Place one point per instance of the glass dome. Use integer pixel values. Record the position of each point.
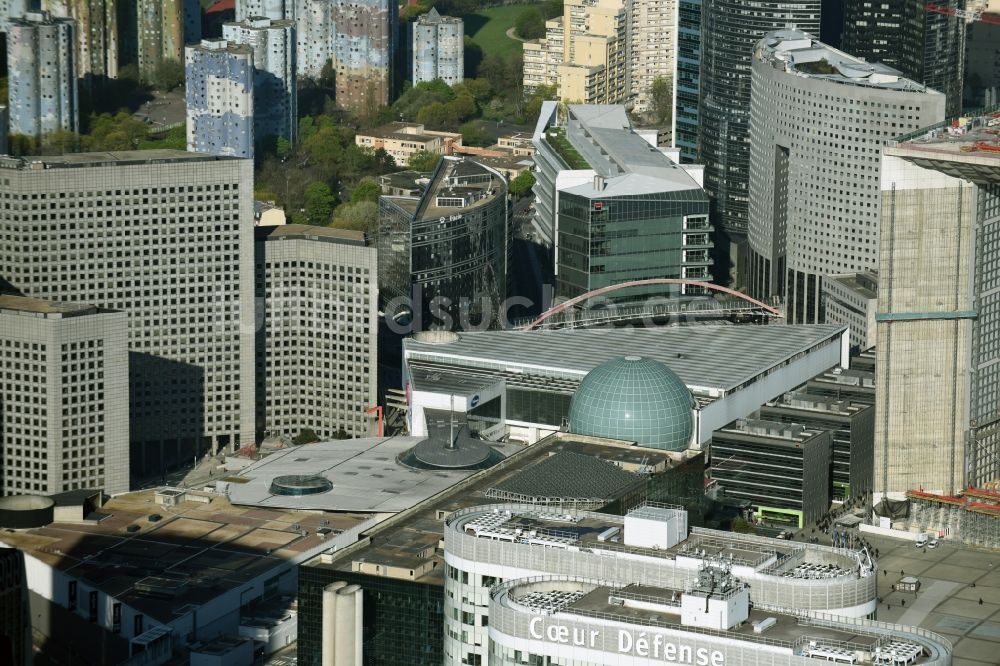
(635, 399)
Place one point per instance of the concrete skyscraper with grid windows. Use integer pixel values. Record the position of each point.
(64, 391)
(166, 236)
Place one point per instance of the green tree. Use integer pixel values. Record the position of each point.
(341, 433)
(473, 134)
(319, 202)
(552, 8)
(741, 526)
(367, 190)
(423, 160)
(169, 74)
(283, 147)
(358, 216)
(530, 24)
(305, 436)
(522, 184)
(661, 99)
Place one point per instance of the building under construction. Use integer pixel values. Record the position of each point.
(971, 517)
(938, 322)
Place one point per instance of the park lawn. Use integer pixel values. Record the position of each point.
(488, 28)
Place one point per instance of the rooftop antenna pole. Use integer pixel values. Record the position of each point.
(451, 438)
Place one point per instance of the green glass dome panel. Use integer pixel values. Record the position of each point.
(634, 399)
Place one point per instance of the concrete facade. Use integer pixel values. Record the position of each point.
(11, 9)
(438, 48)
(317, 344)
(163, 28)
(818, 121)
(365, 45)
(730, 31)
(96, 34)
(220, 98)
(165, 236)
(42, 75)
(653, 44)
(314, 28)
(275, 90)
(938, 384)
(583, 54)
(64, 389)
(852, 299)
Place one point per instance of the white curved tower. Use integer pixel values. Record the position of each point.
(438, 48)
(819, 119)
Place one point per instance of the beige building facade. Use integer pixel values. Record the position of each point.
(402, 140)
(583, 54)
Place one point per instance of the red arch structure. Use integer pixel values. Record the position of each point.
(642, 283)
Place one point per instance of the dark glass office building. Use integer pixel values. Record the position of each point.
(730, 30)
(402, 619)
(446, 250)
(926, 46)
(688, 77)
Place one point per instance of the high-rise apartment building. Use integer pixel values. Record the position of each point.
(438, 48)
(165, 236)
(583, 54)
(96, 34)
(41, 66)
(938, 377)
(730, 31)
(618, 208)
(652, 47)
(219, 78)
(64, 390)
(314, 28)
(274, 81)
(818, 121)
(163, 28)
(448, 246)
(365, 44)
(10, 9)
(927, 46)
(317, 344)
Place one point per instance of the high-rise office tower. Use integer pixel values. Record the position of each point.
(938, 322)
(219, 78)
(451, 244)
(64, 389)
(584, 54)
(688, 79)
(96, 34)
(317, 296)
(274, 82)
(42, 75)
(730, 31)
(652, 47)
(818, 121)
(314, 28)
(165, 236)
(163, 28)
(927, 46)
(438, 48)
(365, 45)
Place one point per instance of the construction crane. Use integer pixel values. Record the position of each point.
(969, 16)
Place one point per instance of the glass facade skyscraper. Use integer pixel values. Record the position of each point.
(688, 77)
(730, 30)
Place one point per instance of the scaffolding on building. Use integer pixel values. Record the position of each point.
(972, 517)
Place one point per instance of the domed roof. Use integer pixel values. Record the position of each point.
(635, 399)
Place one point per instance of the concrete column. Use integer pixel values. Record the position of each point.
(349, 626)
(330, 622)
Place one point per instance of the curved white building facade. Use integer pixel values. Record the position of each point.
(818, 121)
(486, 545)
(581, 622)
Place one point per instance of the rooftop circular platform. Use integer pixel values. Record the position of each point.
(634, 399)
(300, 484)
